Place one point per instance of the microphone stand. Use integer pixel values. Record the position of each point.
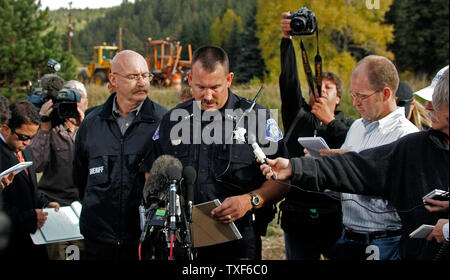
(149, 215)
(188, 238)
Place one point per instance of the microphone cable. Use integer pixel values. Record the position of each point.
(246, 111)
(340, 199)
(171, 246)
(442, 252)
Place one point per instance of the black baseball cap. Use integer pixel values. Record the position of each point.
(404, 96)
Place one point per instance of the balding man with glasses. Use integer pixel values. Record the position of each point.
(372, 227)
(109, 147)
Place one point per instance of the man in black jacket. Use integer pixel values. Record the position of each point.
(22, 201)
(402, 172)
(109, 148)
(4, 117)
(305, 215)
(216, 143)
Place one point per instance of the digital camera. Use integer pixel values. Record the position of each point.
(303, 22)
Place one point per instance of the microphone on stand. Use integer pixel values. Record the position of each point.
(155, 193)
(189, 175)
(173, 175)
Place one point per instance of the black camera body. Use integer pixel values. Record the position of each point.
(65, 100)
(303, 22)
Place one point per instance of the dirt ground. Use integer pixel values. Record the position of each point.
(273, 248)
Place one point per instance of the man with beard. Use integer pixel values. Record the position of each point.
(110, 144)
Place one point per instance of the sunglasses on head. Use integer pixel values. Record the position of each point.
(22, 137)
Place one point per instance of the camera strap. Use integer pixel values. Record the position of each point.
(311, 81)
(318, 67)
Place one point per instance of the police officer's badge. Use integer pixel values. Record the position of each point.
(239, 134)
(273, 131)
(156, 135)
(175, 142)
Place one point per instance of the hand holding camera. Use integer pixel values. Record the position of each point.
(46, 110)
(64, 100)
(285, 25)
(302, 22)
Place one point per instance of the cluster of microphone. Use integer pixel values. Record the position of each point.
(166, 212)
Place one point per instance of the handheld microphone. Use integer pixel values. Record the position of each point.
(257, 151)
(173, 175)
(189, 175)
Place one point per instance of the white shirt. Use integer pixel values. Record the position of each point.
(445, 231)
(363, 135)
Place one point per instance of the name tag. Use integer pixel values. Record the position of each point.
(96, 170)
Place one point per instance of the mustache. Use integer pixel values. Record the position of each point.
(208, 101)
(146, 89)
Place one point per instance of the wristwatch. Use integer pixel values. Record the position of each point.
(254, 199)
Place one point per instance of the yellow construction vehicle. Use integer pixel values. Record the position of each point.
(163, 59)
(97, 71)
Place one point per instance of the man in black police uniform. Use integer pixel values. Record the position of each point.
(226, 170)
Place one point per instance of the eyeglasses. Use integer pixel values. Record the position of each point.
(361, 97)
(22, 137)
(136, 77)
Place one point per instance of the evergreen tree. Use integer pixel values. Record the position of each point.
(26, 44)
(231, 46)
(421, 35)
(249, 62)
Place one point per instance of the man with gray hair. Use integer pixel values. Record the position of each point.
(402, 172)
(83, 104)
(53, 152)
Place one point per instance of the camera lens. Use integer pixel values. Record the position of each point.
(298, 24)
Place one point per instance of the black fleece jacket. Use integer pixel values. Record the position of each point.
(402, 172)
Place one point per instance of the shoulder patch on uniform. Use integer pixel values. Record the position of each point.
(156, 135)
(273, 131)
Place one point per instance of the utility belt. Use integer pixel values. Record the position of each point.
(369, 236)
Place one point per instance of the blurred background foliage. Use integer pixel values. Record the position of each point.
(413, 33)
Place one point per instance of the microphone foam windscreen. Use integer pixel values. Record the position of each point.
(156, 184)
(52, 83)
(173, 173)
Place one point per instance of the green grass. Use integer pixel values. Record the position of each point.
(269, 98)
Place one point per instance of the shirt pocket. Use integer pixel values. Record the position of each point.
(182, 153)
(243, 172)
(98, 172)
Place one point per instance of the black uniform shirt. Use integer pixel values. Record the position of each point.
(223, 169)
